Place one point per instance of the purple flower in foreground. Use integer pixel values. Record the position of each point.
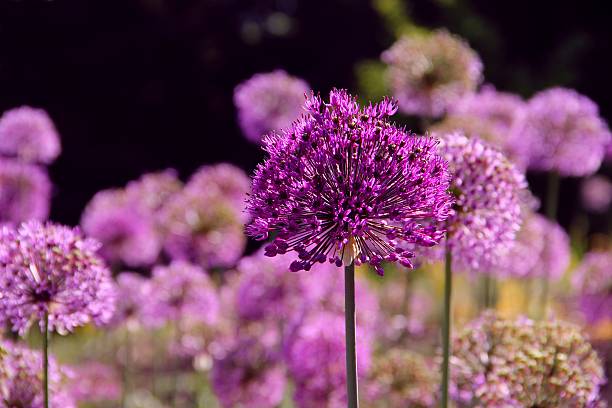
(21, 384)
(180, 292)
(541, 249)
(596, 192)
(563, 132)
(248, 374)
(489, 192)
(314, 353)
(428, 73)
(269, 101)
(94, 382)
(524, 363)
(25, 192)
(29, 134)
(48, 268)
(593, 285)
(125, 228)
(343, 184)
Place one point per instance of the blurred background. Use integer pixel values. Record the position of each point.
(140, 85)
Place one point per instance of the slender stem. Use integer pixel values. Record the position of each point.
(446, 325)
(552, 203)
(45, 346)
(351, 357)
(126, 367)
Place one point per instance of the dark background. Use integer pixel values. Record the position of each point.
(140, 85)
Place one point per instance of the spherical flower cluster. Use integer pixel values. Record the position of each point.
(489, 115)
(180, 292)
(152, 190)
(125, 228)
(248, 374)
(314, 353)
(25, 192)
(563, 132)
(489, 192)
(28, 134)
(524, 363)
(269, 101)
(596, 192)
(94, 382)
(343, 184)
(132, 292)
(22, 381)
(52, 269)
(430, 73)
(541, 249)
(401, 378)
(593, 285)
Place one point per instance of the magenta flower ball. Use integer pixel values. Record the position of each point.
(25, 192)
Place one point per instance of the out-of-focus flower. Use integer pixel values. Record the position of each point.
(152, 190)
(132, 293)
(403, 316)
(49, 268)
(25, 192)
(343, 184)
(541, 249)
(401, 378)
(596, 193)
(592, 283)
(429, 73)
(180, 292)
(489, 192)
(22, 382)
(94, 382)
(248, 374)
(126, 229)
(29, 134)
(524, 363)
(489, 115)
(563, 132)
(314, 353)
(268, 102)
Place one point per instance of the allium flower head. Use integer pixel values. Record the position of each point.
(596, 192)
(541, 249)
(269, 101)
(489, 192)
(524, 363)
(94, 382)
(48, 268)
(132, 294)
(402, 378)
(22, 383)
(248, 374)
(593, 285)
(429, 73)
(152, 190)
(126, 229)
(315, 359)
(179, 292)
(563, 132)
(25, 192)
(343, 183)
(28, 134)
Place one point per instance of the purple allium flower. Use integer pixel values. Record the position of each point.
(225, 180)
(132, 293)
(248, 373)
(489, 192)
(343, 183)
(22, 381)
(593, 285)
(126, 229)
(29, 134)
(541, 249)
(94, 382)
(563, 132)
(314, 353)
(524, 363)
(48, 268)
(428, 73)
(178, 292)
(267, 102)
(596, 192)
(25, 192)
(401, 378)
(152, 190)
